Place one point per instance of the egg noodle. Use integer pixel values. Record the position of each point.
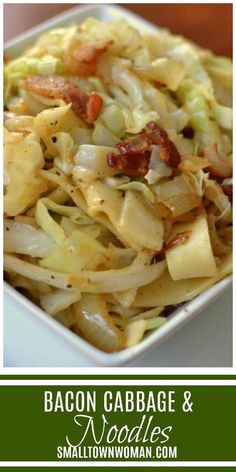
(118, 177)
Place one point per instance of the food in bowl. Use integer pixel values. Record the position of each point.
(118, 177)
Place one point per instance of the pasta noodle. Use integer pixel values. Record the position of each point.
(117, 177)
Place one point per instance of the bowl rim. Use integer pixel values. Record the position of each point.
(176, 320)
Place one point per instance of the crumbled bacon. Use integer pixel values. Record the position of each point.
(130, 164)
(170, 153)
(134, 153)
(86, 105)
(89, 52)
(82, 59)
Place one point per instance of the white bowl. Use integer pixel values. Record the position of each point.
(28, 322)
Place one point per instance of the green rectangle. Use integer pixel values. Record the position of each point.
(139, 432)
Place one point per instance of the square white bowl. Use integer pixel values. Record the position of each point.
(29, 323)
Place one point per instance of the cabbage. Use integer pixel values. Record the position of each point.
(178, 195)
(157, 167)
(102, 136)
(192, 164)
(139, 224)
(96, 325)
(70, 225)
(136, 275)
(98, 85)
(136, 328)
(91, 163)
(114, 120)
(12, 138)
(166, 71)
(127, 39)
(36, 289)
(187, 54)
(220, 164)
(155, 323)
(120, 310)
(115, 182)
(26, 239)
(22, 162)
(220, 68)
(156, 99)
(223, 115)
(120, 96)
(20, 123)
(180, 118)
(215, 194)
(55, 42)
(63, 145)
(134, 332)
(219, 246)
(81, 135)
(58, 300)
(24, 66)
(51, 120)
(126, 297)
(49, 225)
(74, 253)
(128, 81)
(66, 317)
(136, 120)
(139, 187)
(36, 273)
(211, 136)
(144, 315)
(195, 104)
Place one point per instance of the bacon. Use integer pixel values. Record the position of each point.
(82, 60)
(134, 154)
(89, 52)
(86, 105)
(137, 145)
(178, 239)
(170, 153)
(130, 164)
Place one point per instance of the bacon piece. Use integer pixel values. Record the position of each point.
(134, 154)
(170, 153)
(82, 60)
(130, 164)
(89, 52)
(86, 105)
(137, 145)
